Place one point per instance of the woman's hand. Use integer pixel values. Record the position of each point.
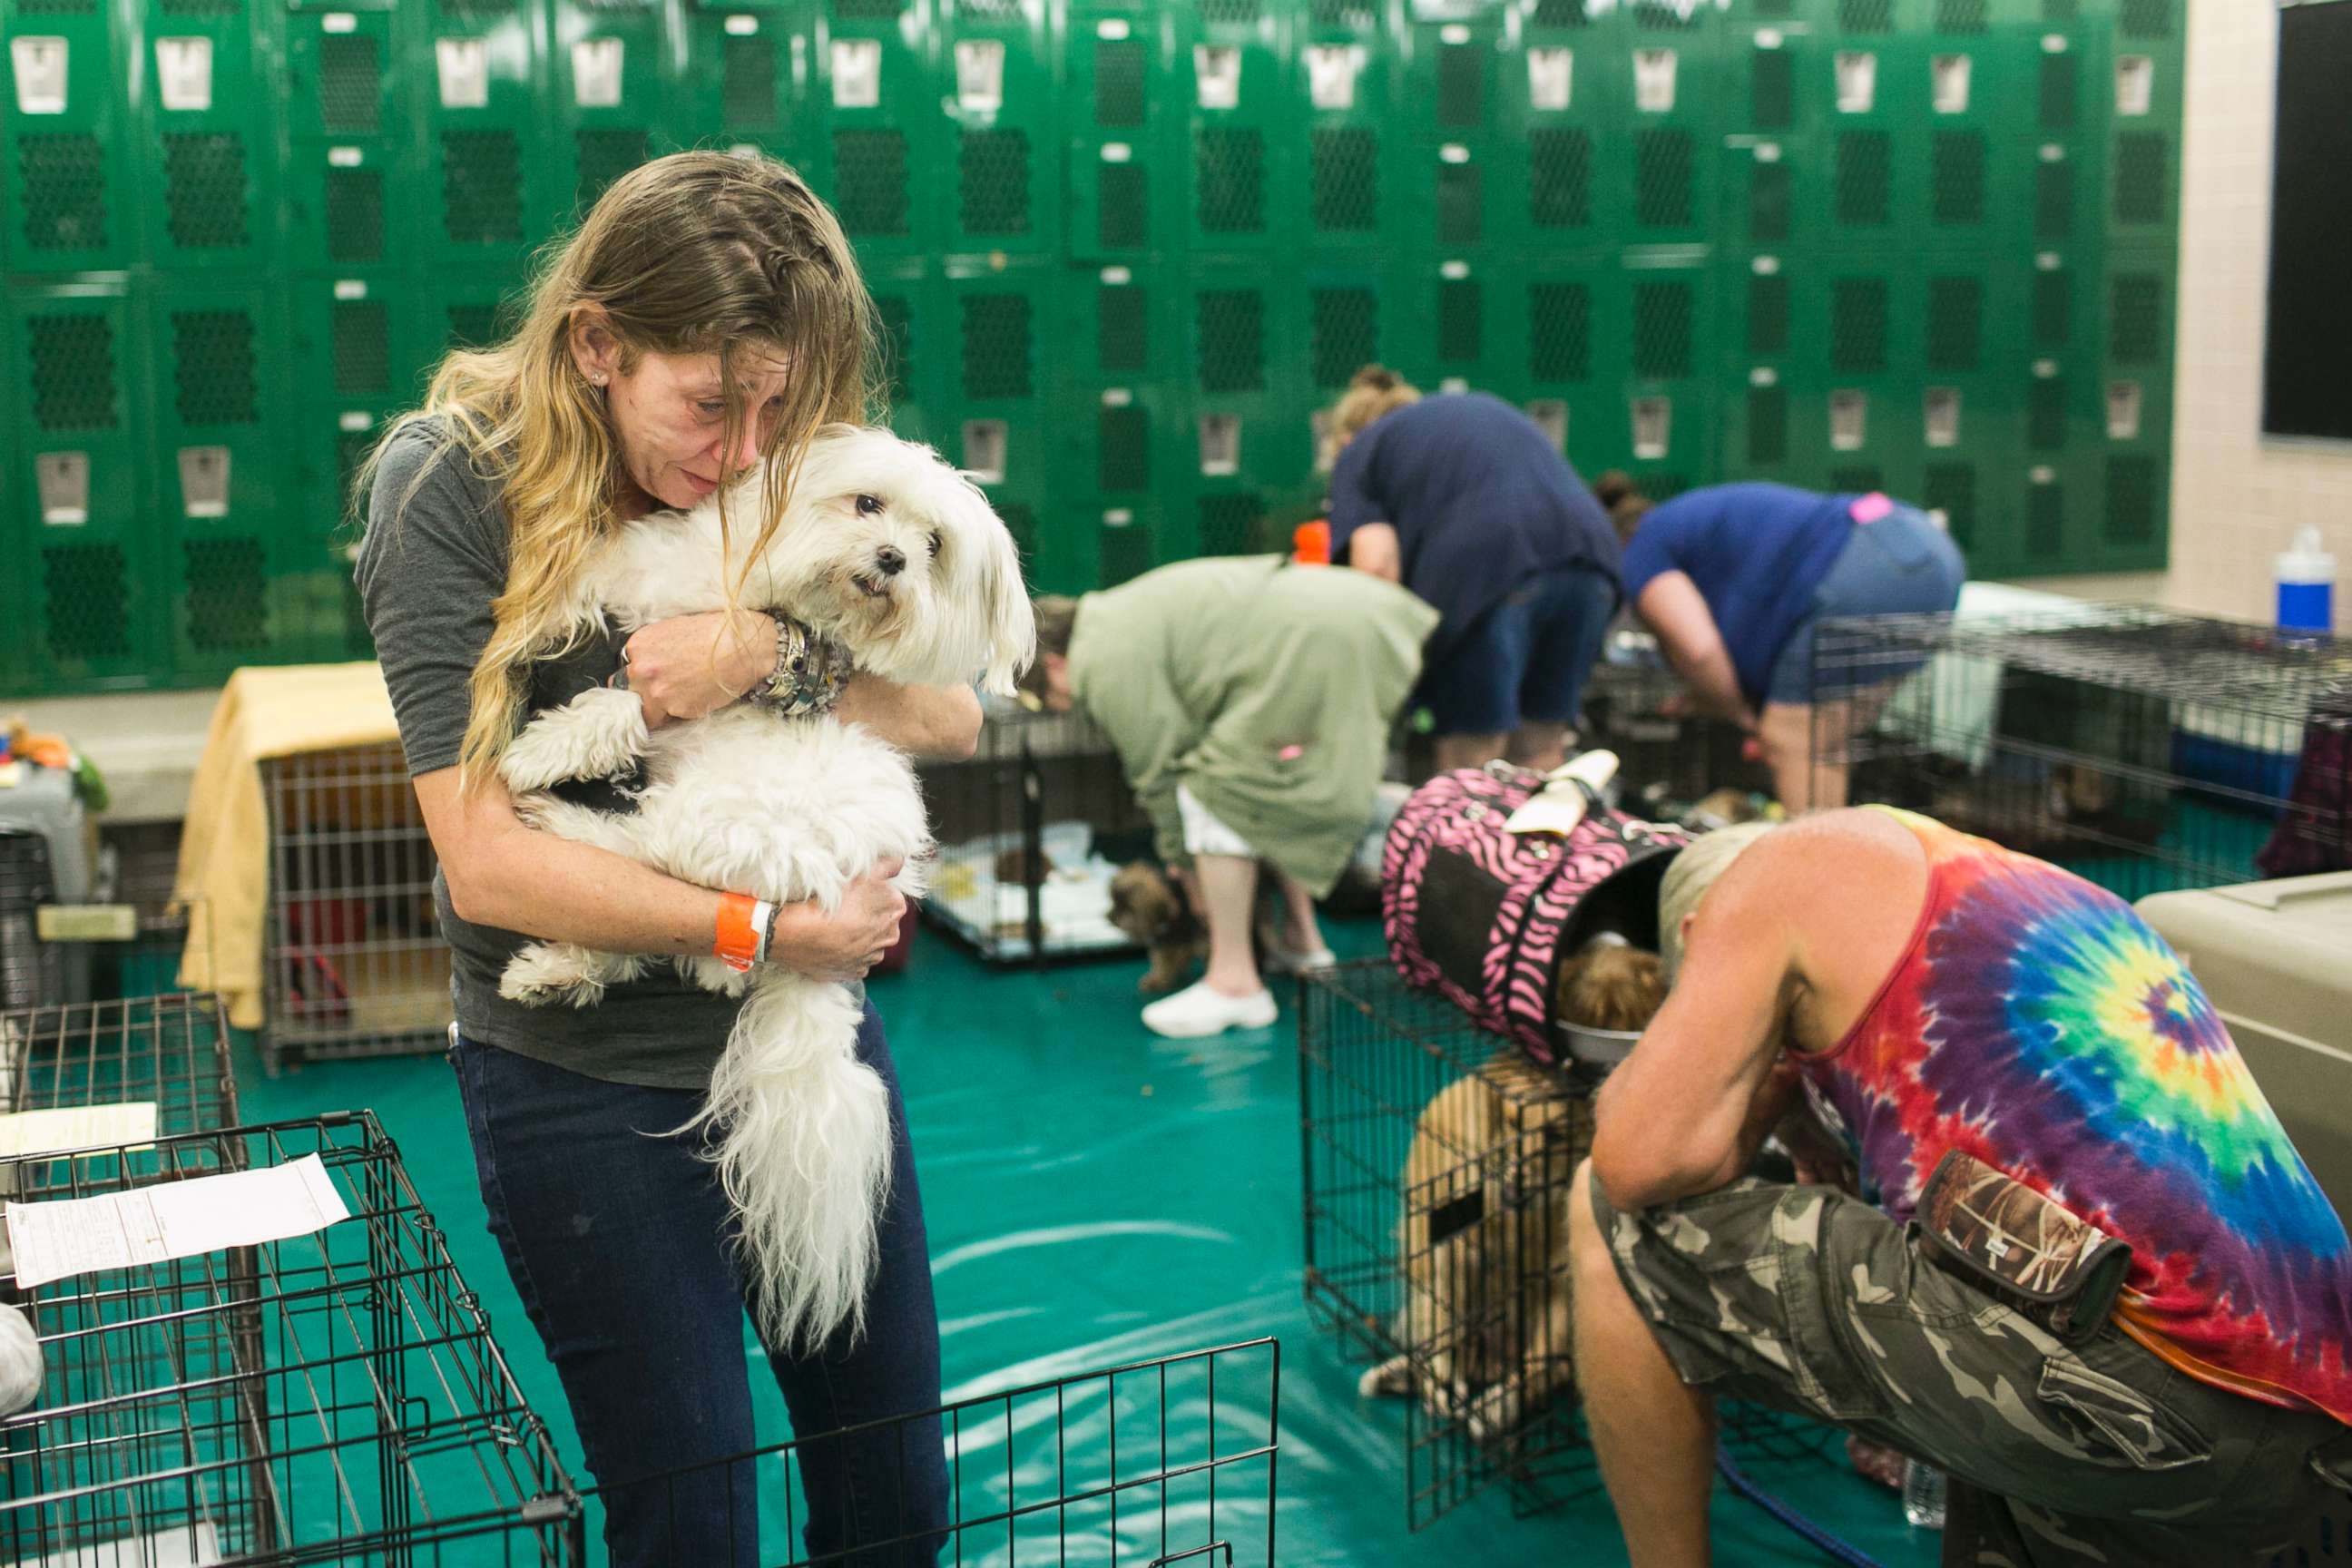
(691, 665)
(841, 946)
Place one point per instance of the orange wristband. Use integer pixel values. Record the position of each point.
(739, 934)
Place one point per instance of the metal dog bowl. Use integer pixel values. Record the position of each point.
(1595, 1048)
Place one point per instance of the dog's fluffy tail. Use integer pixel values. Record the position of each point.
(802, 1130)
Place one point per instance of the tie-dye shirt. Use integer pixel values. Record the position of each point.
(2038, 1024)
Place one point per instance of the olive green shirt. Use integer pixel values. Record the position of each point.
(1267, 690)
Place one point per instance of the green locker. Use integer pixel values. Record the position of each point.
(1244, 175)
(1552, 321)
(1659, 79)
(744, 80)
(207, 161)
(1563, 100)
(473, 308)
(1123, 145)
(611, 78)
(345, 78)
(2132, 436)
(1125, 439)
(1655, 356)
(350, 207)
(220, 480)
(994, 404)
(78, 476)
(354, 354)
(913, 346)
(876, 146)
(999, 82)
(66, 186)
(1355, 311)
(1364, 186)
(1252, 454)
(490, 183)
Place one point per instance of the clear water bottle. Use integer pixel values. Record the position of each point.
(1923, 1494)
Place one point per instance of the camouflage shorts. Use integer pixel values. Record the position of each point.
(1806, 1300)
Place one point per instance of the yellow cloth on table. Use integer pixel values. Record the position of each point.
(224, 875)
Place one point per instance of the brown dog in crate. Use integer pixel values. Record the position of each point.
(1488, 1313)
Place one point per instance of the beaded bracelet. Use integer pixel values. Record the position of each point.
(809, 673)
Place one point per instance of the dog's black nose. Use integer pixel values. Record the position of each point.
(891, 560)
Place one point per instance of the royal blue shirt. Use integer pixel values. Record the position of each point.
(1758, 554)
(1480, 499)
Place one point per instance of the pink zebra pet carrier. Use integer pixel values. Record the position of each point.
(1485, 916)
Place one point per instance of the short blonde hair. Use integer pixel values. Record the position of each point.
(1373, 390)
(1693, 872)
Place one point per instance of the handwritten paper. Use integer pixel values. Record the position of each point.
(57, 1239)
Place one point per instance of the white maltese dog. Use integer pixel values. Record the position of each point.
(897, 558)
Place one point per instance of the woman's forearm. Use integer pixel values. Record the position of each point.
(938, 723)
(505, 874)
(1672, 606)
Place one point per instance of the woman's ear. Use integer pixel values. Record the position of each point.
(595, 349)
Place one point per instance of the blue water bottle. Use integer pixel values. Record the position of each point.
(2306, 586)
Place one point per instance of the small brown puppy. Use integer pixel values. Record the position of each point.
(1149, 907)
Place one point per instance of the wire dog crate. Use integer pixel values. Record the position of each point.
(331, 1398)
(356, 964)
(1668, 761)
(1031, 831)
(1141, 1466)
(2146, 750)
(1438, 1164)
(168, 1051)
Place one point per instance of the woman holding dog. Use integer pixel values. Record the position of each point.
(1250, 702)
(1464, 500)
(1734, 579)
(706, 318)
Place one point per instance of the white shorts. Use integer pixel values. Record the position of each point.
(1203, 833)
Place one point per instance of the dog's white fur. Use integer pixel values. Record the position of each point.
(20, 1361)
(784, 809)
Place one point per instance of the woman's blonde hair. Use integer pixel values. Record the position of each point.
(694, 253)
(1373, 390)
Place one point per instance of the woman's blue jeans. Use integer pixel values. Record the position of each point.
(618, 1237)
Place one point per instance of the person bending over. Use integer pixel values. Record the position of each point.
(1735, 580)
(1935, 996)
(1250, 702)
(1464, 500)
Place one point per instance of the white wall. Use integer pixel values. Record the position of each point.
(2236, 497)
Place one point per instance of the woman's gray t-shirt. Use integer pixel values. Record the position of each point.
(427, 572)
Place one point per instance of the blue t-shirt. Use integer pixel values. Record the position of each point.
(1480, 499)
(1758, 554)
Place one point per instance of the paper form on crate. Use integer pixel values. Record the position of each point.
(172, 1219)
(130, 1124)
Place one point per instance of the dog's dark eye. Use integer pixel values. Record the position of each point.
(868, 505)
(934, 542)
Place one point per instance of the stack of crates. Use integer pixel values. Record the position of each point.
(1124, 255)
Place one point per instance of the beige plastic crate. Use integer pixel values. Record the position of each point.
(2276, 958)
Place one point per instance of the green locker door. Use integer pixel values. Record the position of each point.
(994, 408)
(611, 74)
(879, 132)
(1664, 72)
(65, 188)
(1126, 435)
(999, 80)
(490, 180)
(2130, 442)
(1760, 374)
(1552, 323)
(78, 478)
(1561, 107)
(1360, 158)
(353, 196)
(744, 79)
(208, 160)
(220, 476)
(1244, 191)
(355, 351)
(1123, 130)
(915, 347)
(1656, 354)
(1250, 463)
